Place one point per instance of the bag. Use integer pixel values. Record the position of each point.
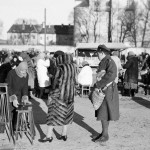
(143, 72)
(96, 98)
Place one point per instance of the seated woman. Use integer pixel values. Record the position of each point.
(17, 80)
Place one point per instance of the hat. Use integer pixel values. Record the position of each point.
(131, 53)
(102, 48)
(85, 63)
(58, 53)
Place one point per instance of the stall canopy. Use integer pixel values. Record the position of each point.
(93, 46)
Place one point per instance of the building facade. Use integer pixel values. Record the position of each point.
(23, 34)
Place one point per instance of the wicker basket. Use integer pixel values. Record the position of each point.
(97, 98)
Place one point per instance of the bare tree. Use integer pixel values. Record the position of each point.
(1, 27)
(81, 24)
(27, 21)
(146, 17)
(130, 27)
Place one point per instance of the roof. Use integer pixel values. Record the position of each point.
(84, 3)
(93, 46)
(58, 29)
(24, 28)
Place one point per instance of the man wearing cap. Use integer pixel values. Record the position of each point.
(109, 109)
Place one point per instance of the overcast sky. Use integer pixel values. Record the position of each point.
(57, 11)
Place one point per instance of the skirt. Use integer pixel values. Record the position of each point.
(109, 109)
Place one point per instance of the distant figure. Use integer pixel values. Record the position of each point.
(4, 69)
(42, 73)
(131, 74)
(117, 61)
(85, 77)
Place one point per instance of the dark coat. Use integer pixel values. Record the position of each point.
(4, 69)
(17, 86)
(131, 74)
(109, 110)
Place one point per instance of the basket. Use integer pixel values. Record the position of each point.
(97, 98)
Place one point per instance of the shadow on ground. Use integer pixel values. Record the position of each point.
(78, 119)
(142, 101)
(39, 117)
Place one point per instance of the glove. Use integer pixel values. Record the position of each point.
(15, 103)
(25, 99)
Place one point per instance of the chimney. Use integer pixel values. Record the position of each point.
(23, 25)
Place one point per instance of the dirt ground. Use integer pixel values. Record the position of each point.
(130, 132)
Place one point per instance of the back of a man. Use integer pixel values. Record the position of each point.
(85, 77)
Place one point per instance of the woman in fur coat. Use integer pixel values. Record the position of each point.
(61, 100)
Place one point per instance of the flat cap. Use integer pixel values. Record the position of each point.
(102, 48)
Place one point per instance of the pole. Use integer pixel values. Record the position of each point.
(45, 30)
(109, 23)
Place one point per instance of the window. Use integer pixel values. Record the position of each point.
(33, 36)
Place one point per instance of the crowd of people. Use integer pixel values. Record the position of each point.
(34, 73)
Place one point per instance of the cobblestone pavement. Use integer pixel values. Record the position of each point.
(131, 132)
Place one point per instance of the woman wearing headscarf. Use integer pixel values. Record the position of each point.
(61, 100)
(131, 74)
(42, 73)
(17, 80)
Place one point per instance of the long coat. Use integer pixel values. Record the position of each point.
(61, 107)
(109, 109)
(17, 86)
(131, 74)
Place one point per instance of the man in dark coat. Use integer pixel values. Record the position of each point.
(131, 74)
(109, 109)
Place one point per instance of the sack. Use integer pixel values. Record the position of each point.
(143, 72)
(96, 98)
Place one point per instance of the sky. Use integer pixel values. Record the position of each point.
(57, 11)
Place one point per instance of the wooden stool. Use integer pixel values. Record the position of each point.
(25, 122)
(5, 117)
(85, 90)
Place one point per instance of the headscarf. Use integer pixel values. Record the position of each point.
(21, 69)
(27, 59)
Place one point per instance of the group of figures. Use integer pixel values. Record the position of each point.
(63, 74)
(60, 76)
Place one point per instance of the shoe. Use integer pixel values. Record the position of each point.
(63, 137)
(46, 140)
(97, 137)
(103, 138)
